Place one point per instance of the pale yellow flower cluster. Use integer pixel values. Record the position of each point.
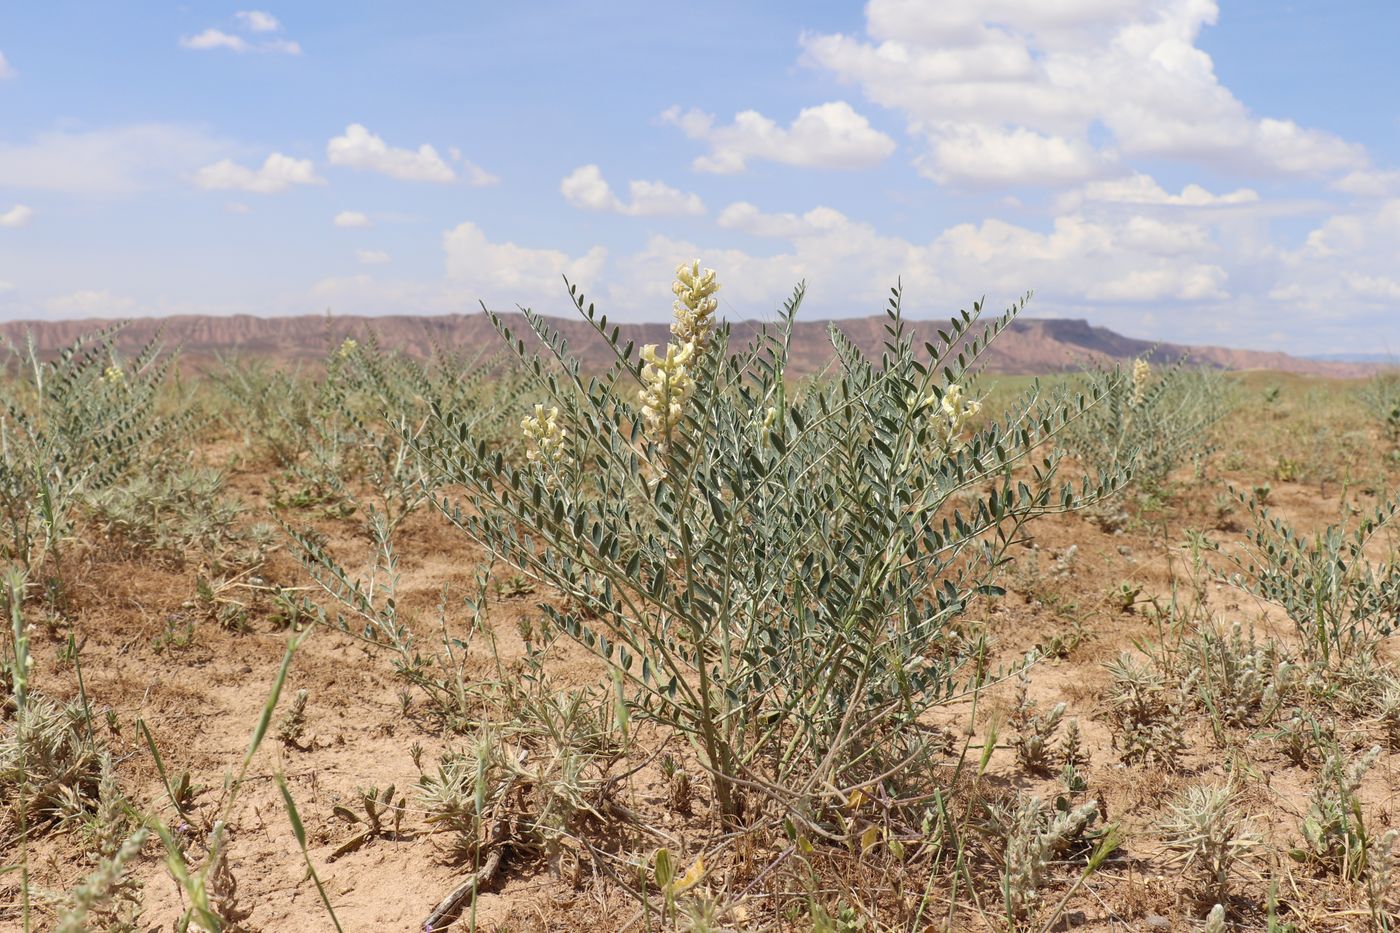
(695, 304)
(544, 438)
(955, 411)
(347, 347)
(113, 375)
(666, 385)
(1142, 374)
(666, 380)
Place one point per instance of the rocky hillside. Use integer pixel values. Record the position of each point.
(1031, 345)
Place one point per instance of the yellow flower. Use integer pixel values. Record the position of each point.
(347, 347)
(955, 412)
(695, 304)
(544, 438)
(666, 386)
(113, 375)
(1142, 373)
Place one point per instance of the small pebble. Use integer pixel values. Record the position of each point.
(1158, 922)
(246, 669)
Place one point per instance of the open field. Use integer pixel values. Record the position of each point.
(308, 653)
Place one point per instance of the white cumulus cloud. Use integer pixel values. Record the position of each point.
(503, 274)
(17, 216)
(258, 21)
(1369, 183)
(747, 218)
(475, 175)
(6, 69)
(587, 189)
(359, 148)
(258, 26)
(372, 257)
(1070, 87)
(215, 39)
(1139, 188)
(996, 156)
(352, 219)
(1346, 265)
(278, 173)
(831, 135)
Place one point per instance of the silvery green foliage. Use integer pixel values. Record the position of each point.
(1035, 836)
(1242, 680)
(1342, 601)
(1334, 832)
(380, 405)
(1147, 713)
(47, 764)
(274, 407)
(169, 510)
(69, 428)
(1150, 421)
(1207, 834)
(1381, 396)
(110, 897)
(779, 576)
(1381, 875)
(1035, 727)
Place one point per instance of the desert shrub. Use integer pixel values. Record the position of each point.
(1240, 680)
(167, 510)
(1342, 601)
(777, 572)
(1334, 830)
(46, 759)
(385, 399)
(1035, 728)
(72, 427)
(273, 409)
(1150, 420)
(1034, 837)
(1147, 713)
(1207, 835)
(1381, 397)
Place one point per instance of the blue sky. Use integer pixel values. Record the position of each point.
(1178, 169)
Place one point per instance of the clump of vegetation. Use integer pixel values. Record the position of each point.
(1151, 419)
(1208, 835)
(1241, 681)
(1035, 837)
(1035, 728)
(1147, 713)
(168, 512)
(1342, 601)
(775, 570)
(1334, 830)
(292, 729)
(1381, 396)
(71, 428)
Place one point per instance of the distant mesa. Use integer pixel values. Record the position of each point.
(1031, 345)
